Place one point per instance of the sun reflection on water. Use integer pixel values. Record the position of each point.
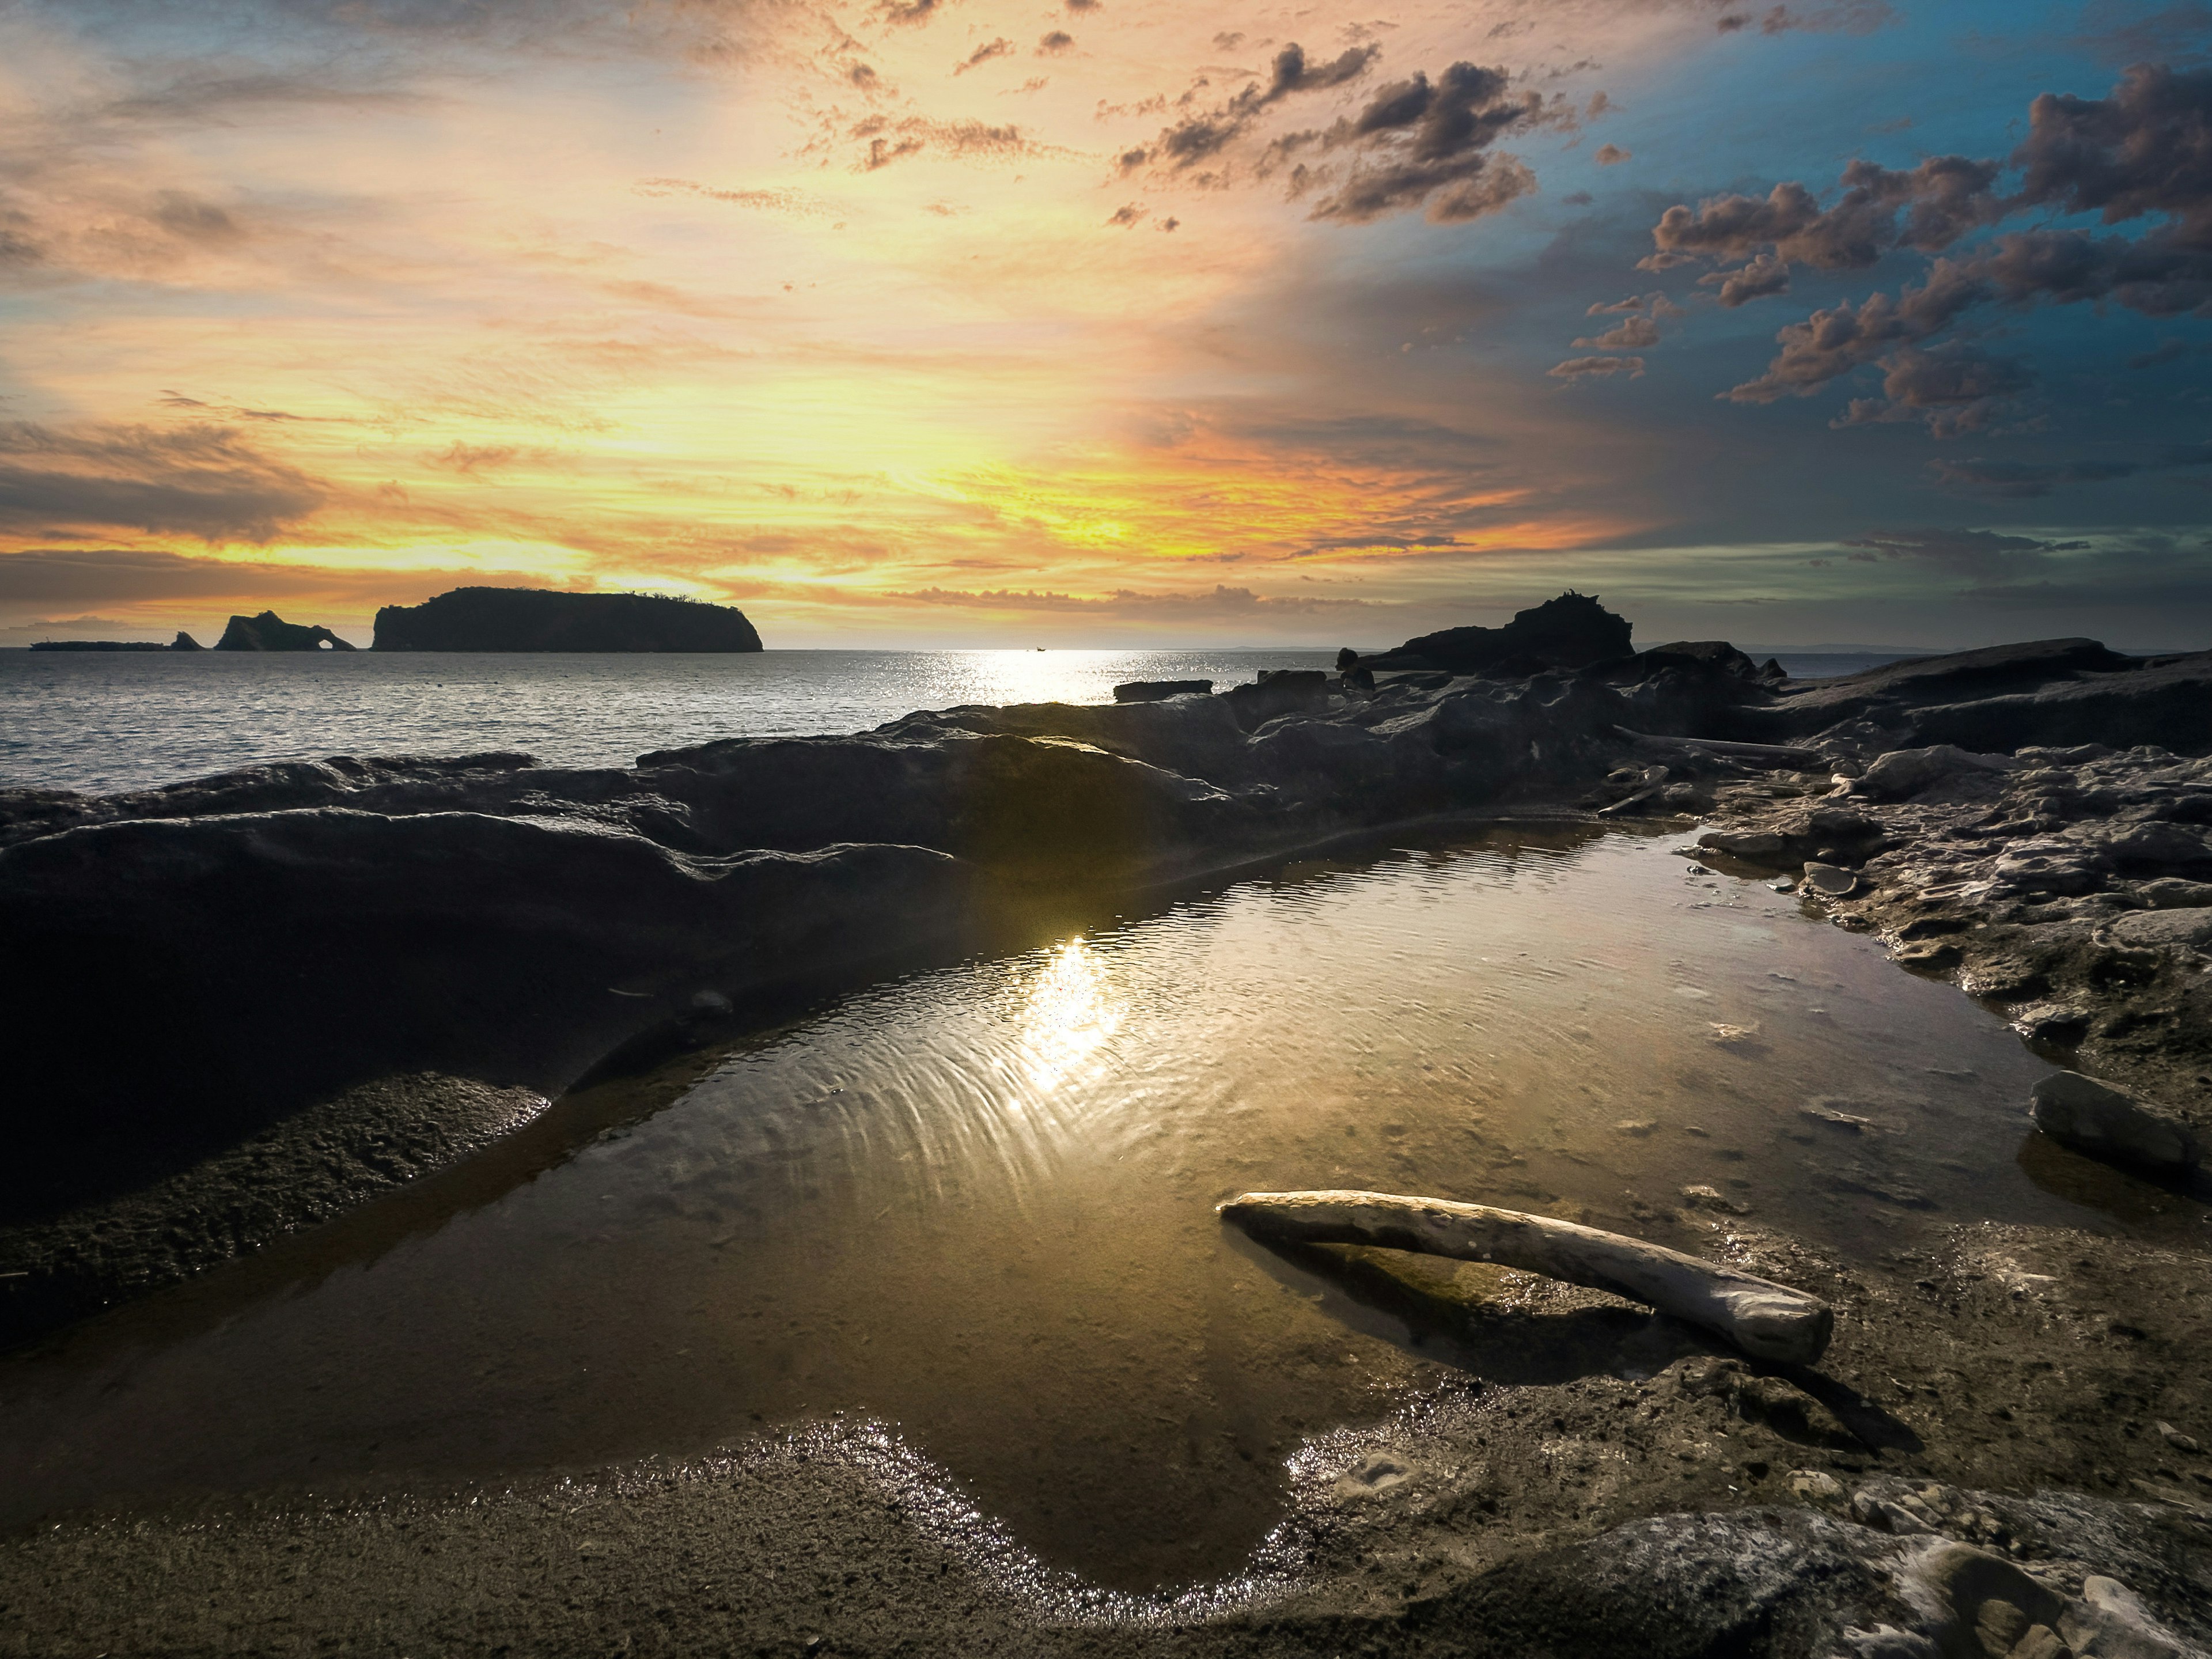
(1069, 1015)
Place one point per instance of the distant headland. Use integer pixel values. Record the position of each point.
(536, 619)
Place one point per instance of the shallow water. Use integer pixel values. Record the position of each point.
(978, 1202)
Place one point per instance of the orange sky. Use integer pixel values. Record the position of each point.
(890, 323)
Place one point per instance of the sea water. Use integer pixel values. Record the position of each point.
(103, 721)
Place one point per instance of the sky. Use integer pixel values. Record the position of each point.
(964, 323)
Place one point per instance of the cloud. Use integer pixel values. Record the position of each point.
(1763, 276)
(1200, 137)
(2145, 150)
(984, 53)
(1127, 216)
(1430, 143)
(1927, 208)
(1630, 334)
(1612, 155)
(1837, 341)
(1953, 390)
(1583, 369)
(890, 141)
(197, 480)
(1052, 45)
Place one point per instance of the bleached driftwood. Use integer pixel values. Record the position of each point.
(1765, 1320)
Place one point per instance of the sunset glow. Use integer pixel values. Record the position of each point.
(972, 323)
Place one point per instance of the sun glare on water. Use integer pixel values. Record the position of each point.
(1069, 1016)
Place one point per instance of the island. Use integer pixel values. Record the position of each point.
(540, 619)
(270, 632)
(183, 642)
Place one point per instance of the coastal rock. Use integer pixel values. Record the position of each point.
(1277, 692)
(185, 642)
(270, 632)
(538, 619)
(1158, 690)
(1570, 631)
(2113, 1124)
(1903, 772)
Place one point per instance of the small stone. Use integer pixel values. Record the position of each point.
(2050, 1021)
(2179, 1441)
(1784, 884)
(1830, 882)
(2040, 1642)
(1816, 1485)
(1709, 1198)
(1726, 1033)
(711, 1002)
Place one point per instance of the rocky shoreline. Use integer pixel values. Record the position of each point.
(2001, 1454)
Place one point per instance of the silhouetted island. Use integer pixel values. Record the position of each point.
(270, 632)
(183, 642)
(537, 619)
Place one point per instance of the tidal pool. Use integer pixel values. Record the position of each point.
(977, 1203)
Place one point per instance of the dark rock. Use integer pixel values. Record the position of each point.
(1278, 692)
(538, 619)
(270, 632)
(185, 642)
(1570, 631)
(2113, 1124)
(1159, 690)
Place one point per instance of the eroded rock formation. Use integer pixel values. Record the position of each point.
(270, 632)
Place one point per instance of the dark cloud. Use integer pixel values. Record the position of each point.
(1763, 276)
(1424, 143)
(198, 480)
(1953, 390)
(984, 54)
(1199, 138)
(1052, 45)
(1847, 337)
(1126, 216)
(1927, 208)
(2144, 151)
(904, 13)
(1612, 155)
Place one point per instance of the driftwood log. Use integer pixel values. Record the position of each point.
(1765, 1320)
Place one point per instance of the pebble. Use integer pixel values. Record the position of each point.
(1829, 881)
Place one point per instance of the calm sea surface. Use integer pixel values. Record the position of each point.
(105, 721)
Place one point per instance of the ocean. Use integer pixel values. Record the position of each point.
(99, 722)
